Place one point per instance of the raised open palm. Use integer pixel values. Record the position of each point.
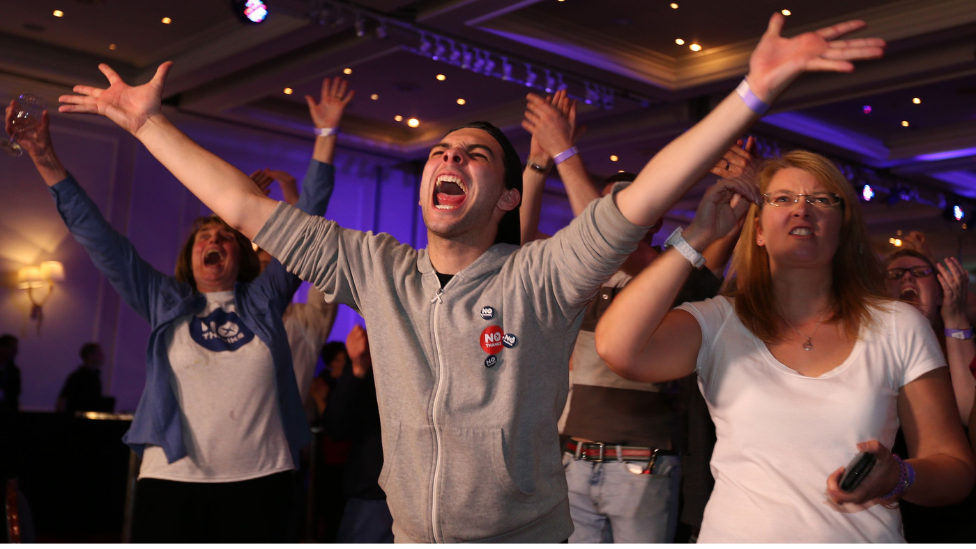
(777, 61)
(327, 113)
(128, 106)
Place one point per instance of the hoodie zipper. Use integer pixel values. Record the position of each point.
(434, 513)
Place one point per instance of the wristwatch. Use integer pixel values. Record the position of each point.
(540, 168)
(679, 243)
(959, 334)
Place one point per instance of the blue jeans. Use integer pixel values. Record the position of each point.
(611, 504)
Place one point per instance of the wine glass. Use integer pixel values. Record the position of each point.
(28, 109)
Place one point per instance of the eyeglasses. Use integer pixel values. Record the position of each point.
(787, 198)
(917, 272)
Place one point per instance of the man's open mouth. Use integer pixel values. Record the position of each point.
(212, 257)
(449, 192)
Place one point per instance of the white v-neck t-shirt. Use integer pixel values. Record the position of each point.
(224, 378)
(781, 434)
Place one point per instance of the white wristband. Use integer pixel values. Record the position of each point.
(678, 242)
(326, 132)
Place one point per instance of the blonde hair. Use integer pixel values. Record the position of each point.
(857, 283)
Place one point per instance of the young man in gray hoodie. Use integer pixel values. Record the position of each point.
(471, 336)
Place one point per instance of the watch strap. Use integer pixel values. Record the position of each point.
(679, 243)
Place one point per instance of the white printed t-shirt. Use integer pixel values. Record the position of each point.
(781, 434)
(224, 379)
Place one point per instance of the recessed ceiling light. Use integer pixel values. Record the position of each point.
(413, 122)
(674, 6)
(289, 91)
(374, 97)
(347, 70)
(58, 13)
(866, 109)
(613, 158)
(461, 101)
(111, 47)
(398, 118)
(167, 20)
(695, 47)
(916, 100)
(787, 13)
(679, 41)
(620, 171)
(904, 123)
(441, 77)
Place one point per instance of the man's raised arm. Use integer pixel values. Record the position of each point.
(223, 188)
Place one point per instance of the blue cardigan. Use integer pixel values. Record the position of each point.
(160, 299)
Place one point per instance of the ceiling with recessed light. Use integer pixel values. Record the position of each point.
(621, 50)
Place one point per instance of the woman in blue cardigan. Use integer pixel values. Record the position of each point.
(220, 421)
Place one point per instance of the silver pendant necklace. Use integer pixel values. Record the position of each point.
(808, 345)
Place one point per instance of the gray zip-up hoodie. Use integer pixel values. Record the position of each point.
(470, 378)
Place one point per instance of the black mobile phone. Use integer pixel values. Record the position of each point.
(856, 470)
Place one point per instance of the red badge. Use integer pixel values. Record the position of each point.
(491, 340)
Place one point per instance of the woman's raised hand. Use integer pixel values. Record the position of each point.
(955, 286)
(36, 140)
(739, 162)
(128, 106)
(721, 208)
(777, 61)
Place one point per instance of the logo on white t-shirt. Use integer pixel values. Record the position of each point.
(220, 331)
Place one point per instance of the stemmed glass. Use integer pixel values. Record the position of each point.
(28, 109)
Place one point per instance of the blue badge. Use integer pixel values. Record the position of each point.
(220, 331)
(491, 361)
(509, 340)
(487, 313)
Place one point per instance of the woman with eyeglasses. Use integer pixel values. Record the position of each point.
(804, 362)
(939, 293)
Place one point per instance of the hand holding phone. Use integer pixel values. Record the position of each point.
(856, 470)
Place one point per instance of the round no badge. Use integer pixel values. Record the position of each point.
(491, 340)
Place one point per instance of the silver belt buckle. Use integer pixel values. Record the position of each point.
(599, 445)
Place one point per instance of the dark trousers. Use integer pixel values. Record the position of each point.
(249, 511)
(366, 521)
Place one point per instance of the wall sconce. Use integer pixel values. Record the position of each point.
(30, 278)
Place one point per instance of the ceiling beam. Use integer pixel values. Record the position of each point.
(312, 62)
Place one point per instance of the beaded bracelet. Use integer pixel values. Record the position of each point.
(906, 477)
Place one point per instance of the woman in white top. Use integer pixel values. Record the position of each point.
(803, 363)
